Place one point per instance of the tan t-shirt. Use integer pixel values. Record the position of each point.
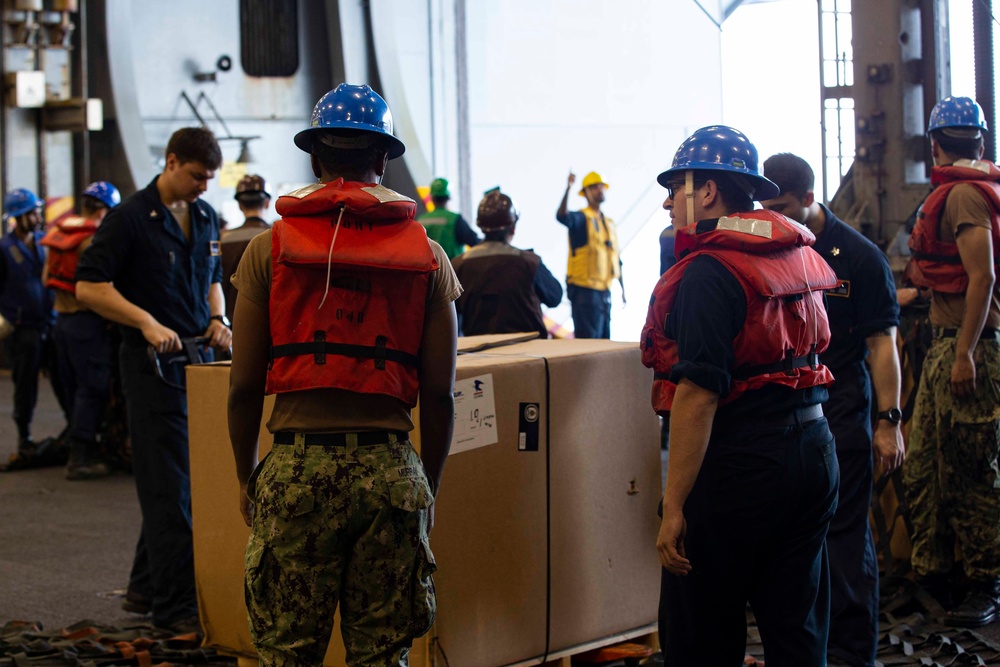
(964, 206)
(336, 410)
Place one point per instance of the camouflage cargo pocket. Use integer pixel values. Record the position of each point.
(255, 591)
(409, 489)
(983, 406)
(424, 599)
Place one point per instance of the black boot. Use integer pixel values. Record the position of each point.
(980, 608)
(83, 463)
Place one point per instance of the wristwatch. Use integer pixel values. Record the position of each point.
(892, 415)
(225, 320)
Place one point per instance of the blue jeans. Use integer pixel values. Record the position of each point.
(757, 520)
(591, 312)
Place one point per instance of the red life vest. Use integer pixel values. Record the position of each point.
(786, 326)
(351, 318)
(935, 263)
(63, 242)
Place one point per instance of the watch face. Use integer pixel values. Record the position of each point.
(893, 415)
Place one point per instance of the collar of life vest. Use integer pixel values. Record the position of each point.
(76, 223)
(965, 170)
(752, 231)
(373, 201)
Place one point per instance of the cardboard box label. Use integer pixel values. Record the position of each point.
(475, 414)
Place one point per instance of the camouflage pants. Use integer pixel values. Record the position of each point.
(951, 475)
(347, 526)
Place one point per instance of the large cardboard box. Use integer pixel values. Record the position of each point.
(540, 551)
(545, 523)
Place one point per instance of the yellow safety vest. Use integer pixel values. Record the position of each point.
(597, 264)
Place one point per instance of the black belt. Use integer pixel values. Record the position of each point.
(797, 416)
(365, 438)
(952, 332)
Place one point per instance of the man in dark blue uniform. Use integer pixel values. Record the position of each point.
(732, 335)
(26, 305)
(863, 316)
(153, 267)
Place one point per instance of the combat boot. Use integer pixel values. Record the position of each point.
(81, 464)
(981, 607)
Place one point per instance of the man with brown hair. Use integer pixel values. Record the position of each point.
(153, 267)
(863, 317)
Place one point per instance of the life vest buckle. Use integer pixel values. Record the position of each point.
(319, 356)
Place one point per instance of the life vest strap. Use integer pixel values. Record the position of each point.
(788, 365)
(943, 259)
(69, 278)
(319, 348)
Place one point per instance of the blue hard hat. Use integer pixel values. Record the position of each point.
(20, 201)
(348, 107)
(104, 192)
(957, 112)
(721, 148)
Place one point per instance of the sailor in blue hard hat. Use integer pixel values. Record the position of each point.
(953, 488)
(26, 305)
(20, 201)
(357, 108)
(721, 149)
(345, 312)
(733, 334)
(82, 346)
(104, 192)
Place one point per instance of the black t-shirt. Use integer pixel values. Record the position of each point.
(865, 300)
(707, 315)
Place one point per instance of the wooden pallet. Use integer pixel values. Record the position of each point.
(645, 635)
(419, 656)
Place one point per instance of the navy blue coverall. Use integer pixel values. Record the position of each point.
(26, 304)
(864, 303)
(757, 515)
(142, 250)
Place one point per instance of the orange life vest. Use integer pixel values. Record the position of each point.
(935, 263)
(786, 326)
(351, 316)
(63, 242)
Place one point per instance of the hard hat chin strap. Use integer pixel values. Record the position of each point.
(689, 196)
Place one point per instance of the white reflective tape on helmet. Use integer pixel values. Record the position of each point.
(689, 196)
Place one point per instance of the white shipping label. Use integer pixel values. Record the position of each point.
(475, 414)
